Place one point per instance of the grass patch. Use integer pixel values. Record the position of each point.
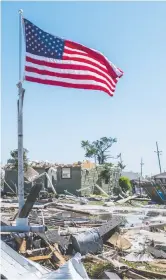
(147, 266)
(94, 270)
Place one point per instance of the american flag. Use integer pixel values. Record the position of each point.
(54, 61)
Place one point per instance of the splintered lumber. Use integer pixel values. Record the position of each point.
(133, 275)
(22, 247)
(37, 252)
(141, 199)
(57, 254)
(100, 189)
(39, 258)
(31, 199)
(121, 201)
(58, 206)
(150, 274)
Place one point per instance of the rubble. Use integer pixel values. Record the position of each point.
(113, 241)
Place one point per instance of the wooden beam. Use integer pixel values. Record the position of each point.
(40, 258)
(31, 199)
(57, 254)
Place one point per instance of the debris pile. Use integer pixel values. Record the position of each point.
(84, 238)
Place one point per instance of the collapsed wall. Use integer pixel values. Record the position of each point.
(90, 177)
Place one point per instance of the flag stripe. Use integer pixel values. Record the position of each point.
(86, 59)
(72, 51)
(69, 75)
(67, 64)
(66, 80)
(92, 53)
(52, 60)
(67, 84)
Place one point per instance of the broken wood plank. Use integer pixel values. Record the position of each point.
(141, 199)
(40, 258)
(57, 254)
(36, 252)
(133, 275)
(149, 274)
(121, 201)
(100, 189)
(31, 199)
(22, 247)
(66, 208)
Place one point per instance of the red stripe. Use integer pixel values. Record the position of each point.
(74, 51)
(67, 75)
(62, 84)
(80, 59)
(99, 57)
(68, 66)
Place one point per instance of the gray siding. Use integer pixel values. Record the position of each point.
(71, 185)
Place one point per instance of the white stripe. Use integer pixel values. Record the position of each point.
(66, 80)
(85, 57)
(116, 70)
(74, 50)
(68, 71)
(69, 62)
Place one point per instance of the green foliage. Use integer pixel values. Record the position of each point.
(98, 149)
(106, 172)
(121, 165)
(14, 155)
(95, 269)
(124, 183)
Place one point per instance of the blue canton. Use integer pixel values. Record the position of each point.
(39, 42)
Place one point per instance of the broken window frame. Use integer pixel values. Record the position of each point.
(62, 172)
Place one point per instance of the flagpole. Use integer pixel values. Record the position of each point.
(20, 123)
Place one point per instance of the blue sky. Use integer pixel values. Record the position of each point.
(132, 36)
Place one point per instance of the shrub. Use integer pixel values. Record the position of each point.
(124, 183)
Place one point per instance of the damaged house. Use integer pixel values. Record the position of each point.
(77, 178)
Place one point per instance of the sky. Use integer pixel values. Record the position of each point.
(56, 119)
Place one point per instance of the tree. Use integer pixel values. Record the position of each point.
(121, 165)
(105, 174)
(120, 162)
(14, 155)
(124, 183)
(98, 149)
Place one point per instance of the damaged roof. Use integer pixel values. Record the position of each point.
(15, 266)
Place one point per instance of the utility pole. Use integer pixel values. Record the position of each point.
(141, 165)
(158, 155)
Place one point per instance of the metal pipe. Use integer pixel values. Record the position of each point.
(23, 228)
(53, 189)
(20, 124)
